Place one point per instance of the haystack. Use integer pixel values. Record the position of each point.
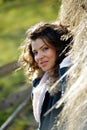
(74, 114)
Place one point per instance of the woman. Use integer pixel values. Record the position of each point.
(44, 52)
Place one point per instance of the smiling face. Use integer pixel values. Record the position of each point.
(44, 55)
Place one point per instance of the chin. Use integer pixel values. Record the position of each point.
(45, 69)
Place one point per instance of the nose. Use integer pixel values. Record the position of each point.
(39, 56)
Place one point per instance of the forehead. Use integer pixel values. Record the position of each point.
(37, 44)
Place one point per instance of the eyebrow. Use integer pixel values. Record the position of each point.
(39, 48)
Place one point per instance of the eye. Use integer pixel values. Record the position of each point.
(35, 53)
(45, 49)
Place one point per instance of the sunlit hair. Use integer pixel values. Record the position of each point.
(58, 36)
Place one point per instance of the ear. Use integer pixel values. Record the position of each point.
(68, 53)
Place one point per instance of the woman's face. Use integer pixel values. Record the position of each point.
(44, 55)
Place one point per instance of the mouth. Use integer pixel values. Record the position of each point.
(43, 64)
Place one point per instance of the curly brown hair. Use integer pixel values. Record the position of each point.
(58, 36)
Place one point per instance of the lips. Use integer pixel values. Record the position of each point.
(44, 63)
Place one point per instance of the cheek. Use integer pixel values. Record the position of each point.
(54, 58)
(53, 55)
(35, 58)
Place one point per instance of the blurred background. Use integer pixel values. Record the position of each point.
(16, 16)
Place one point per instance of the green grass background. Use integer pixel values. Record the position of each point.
(16, 16)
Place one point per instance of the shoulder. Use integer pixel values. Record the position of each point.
(36, 81)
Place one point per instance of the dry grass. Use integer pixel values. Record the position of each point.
(74, 114)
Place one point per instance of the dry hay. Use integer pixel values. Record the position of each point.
(74, 114)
